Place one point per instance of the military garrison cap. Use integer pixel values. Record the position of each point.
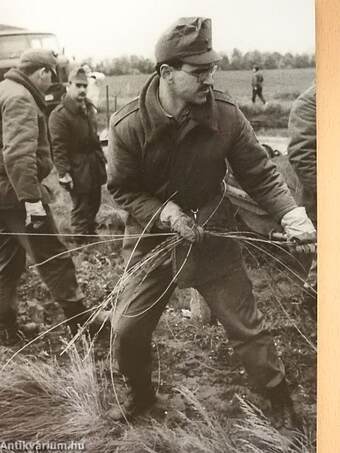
(78, 75)
(40, 58)
(189, 40)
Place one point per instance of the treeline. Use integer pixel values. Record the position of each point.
(235, 61)
(266, 60)
(124, 65)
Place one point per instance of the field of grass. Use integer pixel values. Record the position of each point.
(281, 87)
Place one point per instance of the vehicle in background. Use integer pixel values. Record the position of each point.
(14, 41)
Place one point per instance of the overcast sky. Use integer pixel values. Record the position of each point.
(111, 28)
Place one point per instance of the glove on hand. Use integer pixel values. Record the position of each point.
(174, 218)
(35, 215)
(66, 182)
(299, 228)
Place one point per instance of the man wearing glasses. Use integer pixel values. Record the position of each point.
(169, 151)
(78, 155)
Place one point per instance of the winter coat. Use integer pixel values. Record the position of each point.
(302, 145)
(76, 147)
(25, 158)
(152, 159)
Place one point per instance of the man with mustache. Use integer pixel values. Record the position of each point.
(77, 153)
(169, 152)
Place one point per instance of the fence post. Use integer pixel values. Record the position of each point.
(107, 107)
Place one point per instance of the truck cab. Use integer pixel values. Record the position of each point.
(14, 41)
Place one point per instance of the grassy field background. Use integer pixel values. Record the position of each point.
(281, 87)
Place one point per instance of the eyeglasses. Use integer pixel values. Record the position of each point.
(51, 70)
(202, 74)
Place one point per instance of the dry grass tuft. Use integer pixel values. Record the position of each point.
(47, 402)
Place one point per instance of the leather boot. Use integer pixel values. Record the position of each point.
(9, 330)
(137, 401)
(283, 411)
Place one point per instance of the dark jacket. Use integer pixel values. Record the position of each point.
(25, 158)
(152, 158)
(76, 147)
(257, 79)
(302, 145)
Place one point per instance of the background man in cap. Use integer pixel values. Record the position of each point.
(168, 155)
(77, 152)
(257, 84)
(25, 161)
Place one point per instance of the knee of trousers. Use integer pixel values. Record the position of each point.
(132, 339)
(60, 278)
(244, 322)
(133, 352)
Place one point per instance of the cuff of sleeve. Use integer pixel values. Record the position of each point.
(150, 222)
(31, 198)
(293, 215)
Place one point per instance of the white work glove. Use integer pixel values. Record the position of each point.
(174, 218)
(35, 215)
(300, 229)
(66, 182)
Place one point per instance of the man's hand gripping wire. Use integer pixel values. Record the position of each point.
(174, 218)
(36, 216)
(299, 230)
(67, 182)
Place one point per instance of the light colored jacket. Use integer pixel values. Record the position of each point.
(25, 158)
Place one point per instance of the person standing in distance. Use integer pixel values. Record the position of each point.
(77, 153)
(169, 151)
(257, 84)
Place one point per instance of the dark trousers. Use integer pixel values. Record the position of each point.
(84, 211)
(58, 274)
(230, 299)
(257, 91)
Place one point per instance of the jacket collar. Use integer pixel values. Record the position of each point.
(72, 106)
(18, 76)
(155, 121)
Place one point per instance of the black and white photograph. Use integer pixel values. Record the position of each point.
(158, 226)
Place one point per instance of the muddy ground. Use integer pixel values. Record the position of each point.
(187, 353)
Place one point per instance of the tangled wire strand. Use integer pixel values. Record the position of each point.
(150, 262)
